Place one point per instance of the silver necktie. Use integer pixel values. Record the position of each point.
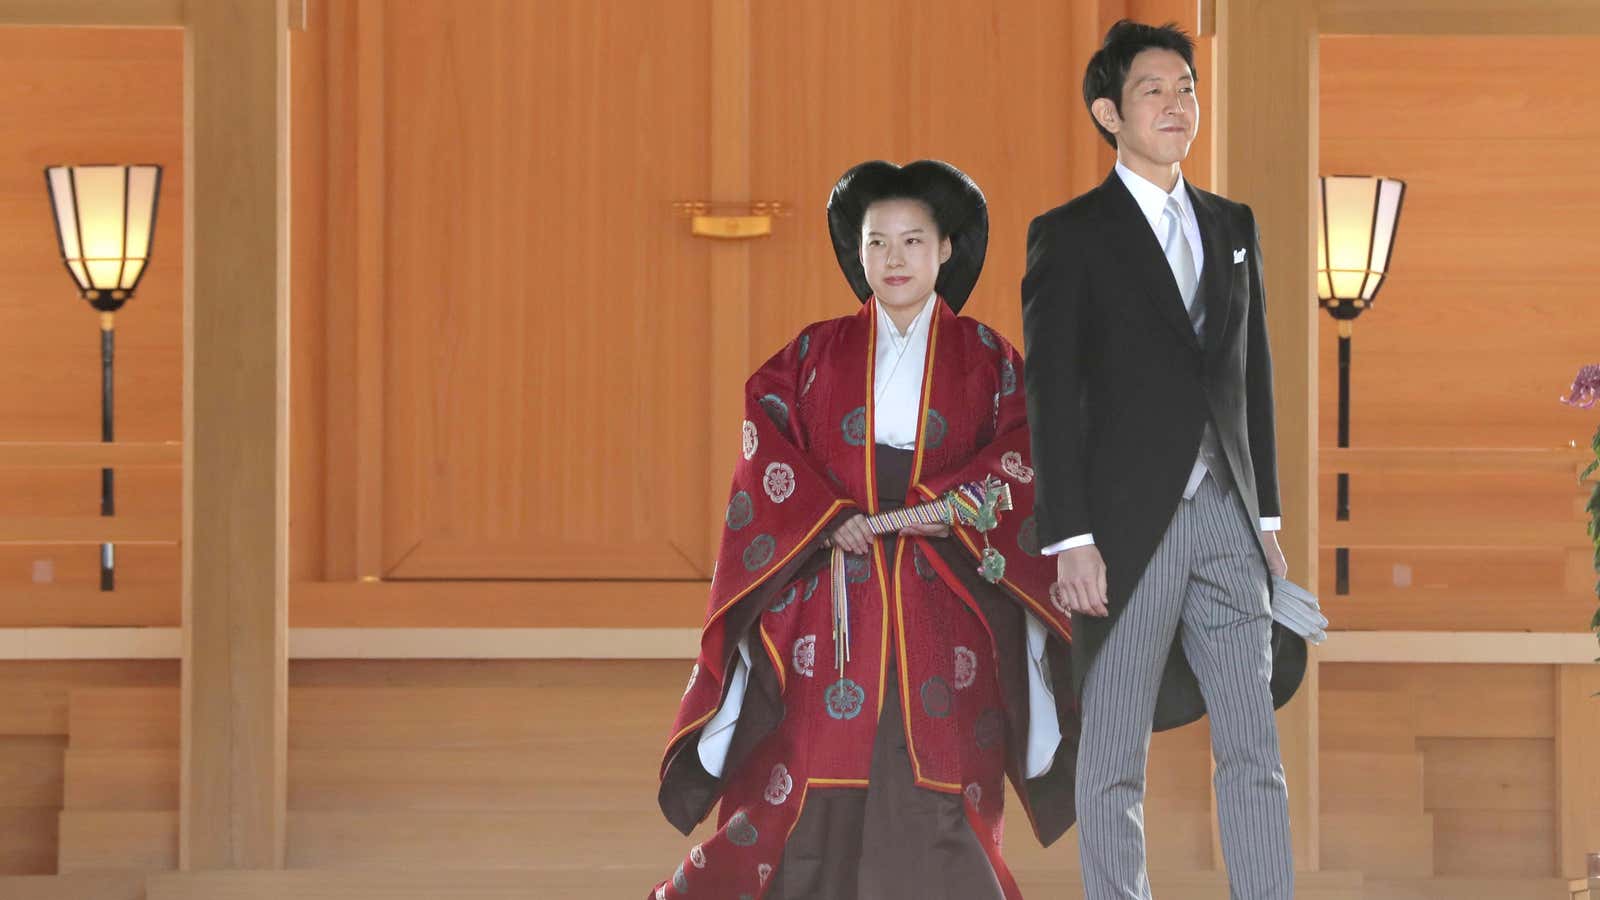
(1181, 259)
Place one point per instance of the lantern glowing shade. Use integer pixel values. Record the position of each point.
(1355, 235)
(105, 220)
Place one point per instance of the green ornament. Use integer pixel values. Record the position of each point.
(994, 565)
(988, 518)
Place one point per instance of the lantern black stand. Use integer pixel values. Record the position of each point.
(107, 303)
(108, 497)
(1341, 555)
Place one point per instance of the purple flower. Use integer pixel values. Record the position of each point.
(1585, 390)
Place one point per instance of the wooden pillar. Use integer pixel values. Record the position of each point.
(1577, 777)
(235, 586)
(1266, 156)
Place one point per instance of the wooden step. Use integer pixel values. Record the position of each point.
(100, 841)
(1494, 843)
(1355, 781)
(1511, 774)
(1376, 721)
(395, 840)
(33, 709)
(459, 718)
(609, 778)
(1193, 885)
(1378, 844)
(1173, 840)
(123, 718)
(565, 883)
(1457, 888)
(371, 717)
(27, 841)
(1435, 700)
(622, 880)
(31, 771)
(390, 840)
(82, 886)
(121, 780)
(34, 694)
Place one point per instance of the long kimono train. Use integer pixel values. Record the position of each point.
(884, 771)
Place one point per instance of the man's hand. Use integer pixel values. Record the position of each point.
(853, 536)
(929, 531)
(1081, 581)
(1276, 564)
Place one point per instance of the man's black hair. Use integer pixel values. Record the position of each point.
(1108, 68)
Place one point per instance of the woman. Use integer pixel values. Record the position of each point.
(866, 759)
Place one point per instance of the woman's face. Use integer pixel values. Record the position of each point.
(901, 251)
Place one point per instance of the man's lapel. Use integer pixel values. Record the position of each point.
(1216, 282)
(1135, 244)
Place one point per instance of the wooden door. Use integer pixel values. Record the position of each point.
(543, 312)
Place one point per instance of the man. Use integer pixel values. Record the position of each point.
(1149, 392)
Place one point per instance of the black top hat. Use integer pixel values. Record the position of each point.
(958, 209)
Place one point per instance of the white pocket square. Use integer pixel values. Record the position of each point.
(1238, 256)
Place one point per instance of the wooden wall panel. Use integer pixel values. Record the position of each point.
(1522, 526)
(86, 95)
(1469, 749)
(544, 316)
(985, 86)
(1486, 316)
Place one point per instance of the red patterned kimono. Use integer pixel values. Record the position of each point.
(915, 621)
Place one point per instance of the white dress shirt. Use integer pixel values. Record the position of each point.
(897, 377)
(1152, 202)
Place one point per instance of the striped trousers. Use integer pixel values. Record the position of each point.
(1206, 582)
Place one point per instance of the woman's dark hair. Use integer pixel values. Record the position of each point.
(949, 197)
(1108, 68)
(958, 208)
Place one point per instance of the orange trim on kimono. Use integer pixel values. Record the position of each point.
(899, 554)
(922, 404)
(868, 446)
(772, 653)
(905, 684)
(869, 449)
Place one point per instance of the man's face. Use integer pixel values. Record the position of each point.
(1160, 114)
